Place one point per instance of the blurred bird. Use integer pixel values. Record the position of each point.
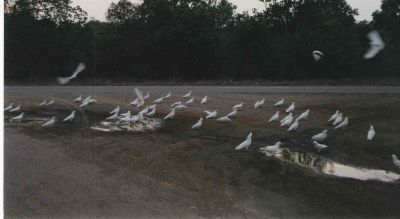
(396, 161)
(188, 94)
(153, 106)
(50, 122)
(238, 106)
(147, 96)
(140, 98)
(317, 55)
(43, 103)
(127, 114)
(287, 122)
(259, 103)
(343, 124)
(275, 117)
(232, 114)
(179, 107)
(50, 102)
(338, 119)
(113, 117)
(371, 133)
(211, 115)
(290, 115)
(78, 99)
(152, 112)
(204, 100)
(189, 101)
(290, 108)
(198, 124)
(319, 147)
(16, 109)
(66, 80)
(168, 95)
(376, 44)
(176, 104)
(17, 118)
(334, 116)
(294, 126)
(84, 103)
(272, 148)
(224, 119)
(321, 136)
(70, 117)
(159, 100)
(304, 115)
(246, 144)
(135, 102)
(9, 107)
(280, 103)
(115, 111)
(171, 115)
(144, 111)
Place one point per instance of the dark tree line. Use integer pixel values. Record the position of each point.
(197, 40)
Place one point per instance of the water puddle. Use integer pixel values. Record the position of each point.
(329, 167)
(146, 124)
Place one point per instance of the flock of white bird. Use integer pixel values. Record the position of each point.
(337, 120)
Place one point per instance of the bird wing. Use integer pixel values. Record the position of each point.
(81, 66)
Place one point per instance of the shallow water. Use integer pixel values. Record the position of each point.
(329, 167)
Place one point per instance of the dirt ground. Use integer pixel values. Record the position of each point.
(72, 171)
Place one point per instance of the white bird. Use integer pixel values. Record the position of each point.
(78, 99)
(246, 144)
(396, 161)
(275, 117)
(168, 95)
(84, 103)
(115, 111)
(135, 102)
(290, 108)
(259, 103)
(9, 107)
(43, 103)
(50, 122)
(371, 133)
(127, 114)
(92, 100)
(16, 109)
(179, 107)
(140, 98)
(204, 100)
(338, 119)
(232, 114)
(187, 95)
(290, 115)
(159, 100)
(153, 106)
(70, 117)
(272, 148)
(238, 106)
(17, 118)
(224, 119)
(287, 122)
(343, 124)
(198, 124)
(304, 115)
(280, 103)
(50, 102)
(189, 101)
(152, 112)
(147, 96)
(112, 117)
(176, 104)
(211, 115)
(144, 111)
(319, 146)
(376, 44)
(171, 115)
(317, 55)
(334, 116)
(65, 80)
(321, 136)
(294, 126)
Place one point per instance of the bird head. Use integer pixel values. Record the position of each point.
(250, 135)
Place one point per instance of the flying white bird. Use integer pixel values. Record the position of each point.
(152, 112)
(17, 118)
(70, 117)
(224, 119)
(211, 114)
(78, 99)
(140, 98)
(272, 148)
(238, 106)
(280, 103)
(396, 161)
(294, 126)
(176, 104)
(290, 115)
(376, 44)
(204, 100)
(43, 103)
(334, 116)
(317, 55)
(179, 107)
(371, 133)
(343, 124)
(198, 124)
(290, 108)
(287, 122)
(66, 80)
(168, 95)
(16, 109)
(115, 111)
(338, 119)
(147, 96)
(159, 100)
(275, 117)
(187, 95)
(321, 136)
(319, 147)
(112, 117)
(232, 114)
(50, 122)
(304, 115)
(246, 144)
(9, 107)
(259, 103)
(189, 101)
(50, 102)
(171, 115)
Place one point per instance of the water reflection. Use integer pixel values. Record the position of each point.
(329, 167)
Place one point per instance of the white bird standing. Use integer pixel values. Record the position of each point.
(179, 107)
(272, 148)
(152, 112)
(204, 100)
(112, 117)
(171, 115)
(290, 115)
(188, 94)
(159, 100)
(343, 124)
(16, 109)
(376, 44)
(287, 122)
(259, 103)
(371, 133)
(189, 101)
(198, 124)
(396, 161)
(168, 95)
(70, 117)
(280, 103)
(9, 107)
(211, 115)
(304, 115)
(84, 103)
(338, 119)
(224, 119)
(319, 146)
(115, 111)
(238, 106)
(246, 144)
(334, 116)
(290, 108)
(153, 106)
(317, 55)
(17, 118)
(144, 111)
(43, 103)
(275, 117)
(78, 99)
(50, 102)
(147, 96)
(294, 126)
(50, 122)
(176, 104)
(321, 136)
(65, 80)
(232, 114)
